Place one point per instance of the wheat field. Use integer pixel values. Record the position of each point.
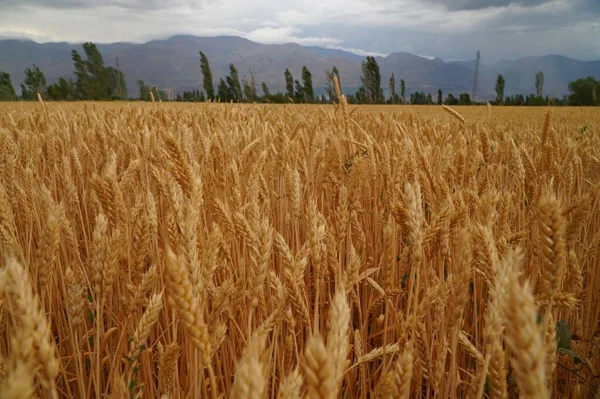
(261, 251)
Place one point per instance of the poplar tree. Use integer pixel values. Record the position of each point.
(92, 81)
(500, 89)
(403, 91)
(34, 84)
(393, 89)
(539, 83)
(207, 79)
(7, 91)
(371, 80)
(233, 82)
(289, 83)
(307, 87)
(330, 85)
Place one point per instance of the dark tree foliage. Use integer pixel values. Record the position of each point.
(298, 92)
(393, 95)
(420, 98)
(116, 83)
(93, 80)
(7, 91)
(403, 90)
(193, 96)
(222, 91)
(307, 86)
(330, 85)
(539, 83)
(584, 92)
(371, 81)
(207, 79)
(464, 99)
(144, 91)
(234, 87)
(34, 84)
(62, 91)
(265, 90)
(451, 100)
(500, 89)
(289, 83)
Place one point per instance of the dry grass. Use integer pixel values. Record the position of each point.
(175, 251)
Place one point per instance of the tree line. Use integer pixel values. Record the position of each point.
(585, 91)
(95, 81)
(92, 81)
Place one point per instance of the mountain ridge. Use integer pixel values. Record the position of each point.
(173, 63)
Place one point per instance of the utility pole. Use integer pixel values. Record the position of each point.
(476, 77)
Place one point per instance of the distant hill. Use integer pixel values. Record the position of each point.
(174, 64)
(520, 74)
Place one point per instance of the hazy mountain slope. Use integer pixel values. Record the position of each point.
(424, 74)
(520, 74)
(175, 64)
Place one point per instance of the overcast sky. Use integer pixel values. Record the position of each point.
(449, 29)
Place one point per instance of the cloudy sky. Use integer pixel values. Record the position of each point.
(449, 29)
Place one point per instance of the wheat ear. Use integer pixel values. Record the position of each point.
(523, 337)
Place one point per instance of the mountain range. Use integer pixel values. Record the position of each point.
(174, 64)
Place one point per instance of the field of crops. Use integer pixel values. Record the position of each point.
(262, 251)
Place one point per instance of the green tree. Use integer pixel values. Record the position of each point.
(464, 99)
(207, 79)
(371, 81)
(192, 96)
(233, 84)
(330, 85)
(253, 87)
(265, 90)
(451, 100)
(289, 83)
(518, 100)
(249, 89)
(584, 92)
(298, 92)
(81, 75)
(223, 92)
(420, 98)
(246, 89)
(144, 91)
(307, 86)
(439, 97)
(159, 95)
(539, 83)
(7, 91)
(360, 96)
(93, 80)
(116, 83)
(500, 89)
(403, 91)
(34, 83)
(62, 91)
(393, 89)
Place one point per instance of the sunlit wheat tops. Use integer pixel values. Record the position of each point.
(260, 251)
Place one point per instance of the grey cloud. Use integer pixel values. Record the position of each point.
(470, 5)
(140, 5)
(447, 29)
(457, 5)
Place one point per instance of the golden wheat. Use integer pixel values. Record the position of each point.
(220, 250)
